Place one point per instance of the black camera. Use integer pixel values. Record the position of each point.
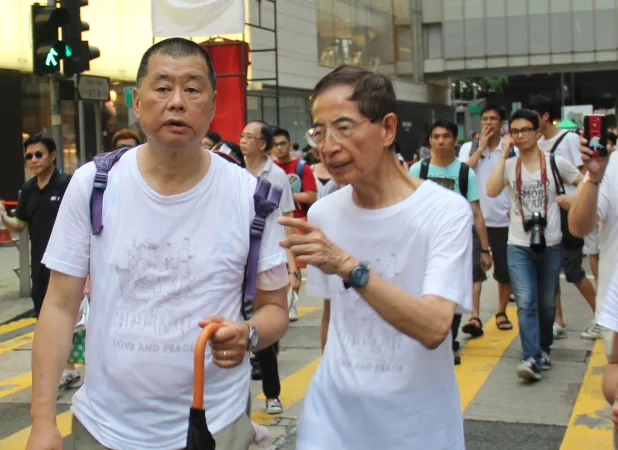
(536, 226)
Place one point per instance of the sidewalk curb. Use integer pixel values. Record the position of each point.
(25, 315)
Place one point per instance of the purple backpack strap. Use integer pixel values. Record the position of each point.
(104, 163)
(266, 199)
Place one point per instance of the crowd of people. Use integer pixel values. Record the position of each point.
(519, 202)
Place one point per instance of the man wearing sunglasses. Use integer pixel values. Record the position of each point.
(38, 207)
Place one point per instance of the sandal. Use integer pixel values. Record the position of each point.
(472, 328)
(505, 324)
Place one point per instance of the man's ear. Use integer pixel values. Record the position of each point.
(136, 103)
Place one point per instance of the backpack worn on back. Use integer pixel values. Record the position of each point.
(300, 167)
(266, 199)
(463, 175)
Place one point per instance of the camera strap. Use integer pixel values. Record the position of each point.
(519, 183)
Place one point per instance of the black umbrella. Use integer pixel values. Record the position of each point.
(198, 436)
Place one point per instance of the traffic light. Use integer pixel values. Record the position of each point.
(47, 49)
(81, 52)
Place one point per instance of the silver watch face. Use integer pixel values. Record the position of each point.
(253, 337)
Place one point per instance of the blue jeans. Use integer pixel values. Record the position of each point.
(534, 279)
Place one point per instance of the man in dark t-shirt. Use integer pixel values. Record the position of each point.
(38, 206)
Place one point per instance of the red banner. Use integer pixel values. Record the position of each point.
(230, 60)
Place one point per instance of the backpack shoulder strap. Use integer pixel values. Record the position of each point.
(103, 163)
(266, 199)
(464, 171)
(556, 173)
(557, 143)
(424, 172)
(300, 167)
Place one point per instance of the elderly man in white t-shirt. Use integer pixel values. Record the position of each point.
(170, 259)
(391, 282)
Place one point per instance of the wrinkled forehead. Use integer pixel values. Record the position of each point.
(335, 104)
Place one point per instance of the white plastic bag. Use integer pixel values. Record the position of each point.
(82, 315)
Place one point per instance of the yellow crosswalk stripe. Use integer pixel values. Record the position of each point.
(16, 325)
(293, 390)
(481, 355)
(18, 441)
(590, 425)
(16, 342)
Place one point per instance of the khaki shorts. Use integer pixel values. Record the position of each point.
(237, 436)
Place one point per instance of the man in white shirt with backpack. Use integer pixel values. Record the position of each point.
(166, 255)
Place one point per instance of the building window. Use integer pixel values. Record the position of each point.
(293, 113)
(362, 33)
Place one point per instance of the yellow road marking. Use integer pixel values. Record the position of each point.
(293, 389)
(15, 384)
(590, 424)
(16, 325)
(16, 342)
(480, 356)
(304, 310)
(18, 441)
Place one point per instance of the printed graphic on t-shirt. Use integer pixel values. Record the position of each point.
(532, 196)
(295, 182)
(150, 276)
(377, 344)
(446, 182)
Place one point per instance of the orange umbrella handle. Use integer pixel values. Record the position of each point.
(198, 362)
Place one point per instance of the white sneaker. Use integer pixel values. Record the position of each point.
(293, 313)
(70, 379)
(273, 406)
(592, 332)
(529, 370)
(559, 331)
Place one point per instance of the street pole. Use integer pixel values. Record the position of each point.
(56, 121)
(82, 133)
(97, 127)
(56, 114)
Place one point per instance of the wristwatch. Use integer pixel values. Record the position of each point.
(588, 180)
(253, 338)
(486, 251)
(359, 276)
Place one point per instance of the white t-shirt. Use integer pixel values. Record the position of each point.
(568, 149)
(275, 174)
(160, 265)
(495, 210)
(533, 195)
(607, 210)
(376, 387)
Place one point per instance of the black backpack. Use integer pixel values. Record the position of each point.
(463, 175)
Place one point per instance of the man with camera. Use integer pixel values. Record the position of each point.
(534, 252)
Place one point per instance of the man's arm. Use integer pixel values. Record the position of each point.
(270, 315)
(497, 181)
(13, 223)
(479, 225)
(306, 197)
(310, 190)
(52, 342)
(428, 318)
(325, 323)
(583, 217)
(610, 378)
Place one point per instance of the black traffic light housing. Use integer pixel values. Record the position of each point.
(82, 52)
(47, 49)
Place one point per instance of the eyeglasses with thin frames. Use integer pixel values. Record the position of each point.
(340, 132)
